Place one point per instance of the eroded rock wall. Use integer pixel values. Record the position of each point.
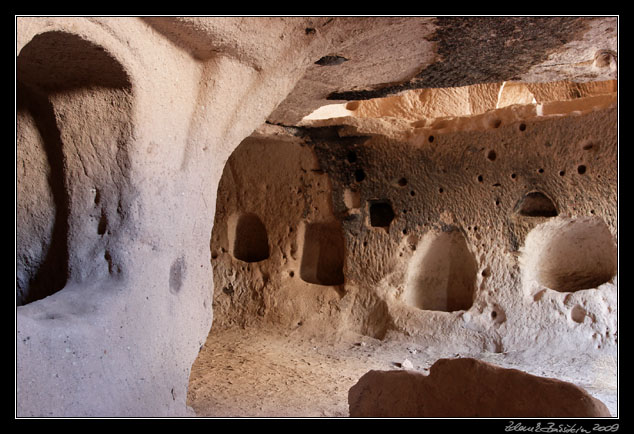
(493, 232)
(122, 139)
(275, 186)
(125, 126)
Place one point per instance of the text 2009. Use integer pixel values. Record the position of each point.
(606, 428)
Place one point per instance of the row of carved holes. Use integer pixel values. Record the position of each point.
(322, 254)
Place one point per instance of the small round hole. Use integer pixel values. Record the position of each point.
(480, 178)
(430, 138)
(522, 127)
(359, 175)
(492, 155)
(562, 173)
(402, 182)
(581, 169)
(291, 273)
(540, 170)
(494, 314)
(513, 176)
(412, 193)
(351, 157)
(440, 190)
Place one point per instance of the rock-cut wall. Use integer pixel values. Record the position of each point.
(493, 231)
(125, 126)
(122, 135)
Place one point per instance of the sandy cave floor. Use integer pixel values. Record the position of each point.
(266, 372)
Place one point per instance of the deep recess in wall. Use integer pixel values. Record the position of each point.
(580, 254)
(251, 243)
(536, 204)
(381, 213)
(442, 273)
(56, 68)
(323, 254)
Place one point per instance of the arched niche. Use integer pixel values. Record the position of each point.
(442, 273)
(536, 204)
(74, 104)
(248, 238)
(569, 255)
(323, 252)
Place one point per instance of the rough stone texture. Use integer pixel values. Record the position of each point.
(136, 177)
(126, 128)
(466, 50)
(292, 200)
(468, 387)
(464, 257)
(369, 45)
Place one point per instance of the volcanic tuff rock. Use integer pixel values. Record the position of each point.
(466, 387)
(147, 147)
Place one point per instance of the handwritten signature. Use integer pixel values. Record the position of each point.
(551, 427)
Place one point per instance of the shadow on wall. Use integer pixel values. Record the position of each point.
(72, 124)
(57, 62)
(42, 208)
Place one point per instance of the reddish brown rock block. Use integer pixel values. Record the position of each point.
(469, 388)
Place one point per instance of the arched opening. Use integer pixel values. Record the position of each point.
(569, 255)
(205, 84)
(73, 124)
(323, 254)
(273, 203)
(250, 239)
(536, 204)
(442, 273)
